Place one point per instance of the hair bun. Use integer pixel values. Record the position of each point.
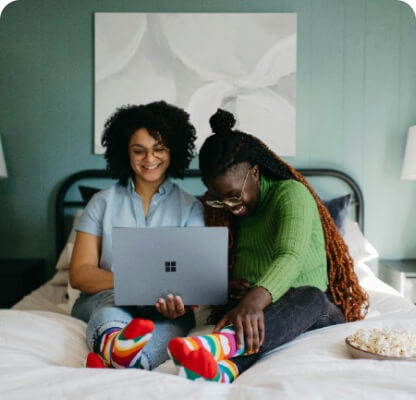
(222, 122)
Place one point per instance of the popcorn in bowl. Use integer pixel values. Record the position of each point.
(385, 342)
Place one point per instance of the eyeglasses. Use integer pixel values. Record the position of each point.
(230, 202)
(140, 153)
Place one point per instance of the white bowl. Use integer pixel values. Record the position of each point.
(355, 352)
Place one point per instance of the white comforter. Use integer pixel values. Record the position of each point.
(42, 355)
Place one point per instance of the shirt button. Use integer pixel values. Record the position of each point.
(155, 202)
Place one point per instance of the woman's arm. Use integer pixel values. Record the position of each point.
(84, 271)
(294, 212)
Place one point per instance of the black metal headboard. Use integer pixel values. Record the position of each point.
(61, 204)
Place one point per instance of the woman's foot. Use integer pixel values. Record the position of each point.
(200, 363)
(121, 348)
(95, 361)
(222, 345)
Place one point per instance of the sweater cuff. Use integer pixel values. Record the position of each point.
(275, 292)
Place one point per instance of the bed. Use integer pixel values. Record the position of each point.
(43, 349)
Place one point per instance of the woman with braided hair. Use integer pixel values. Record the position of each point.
(290, 270)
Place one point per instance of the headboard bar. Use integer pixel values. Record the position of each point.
(61, 204)
(358, 194)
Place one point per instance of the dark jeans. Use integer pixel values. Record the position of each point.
(300, 310)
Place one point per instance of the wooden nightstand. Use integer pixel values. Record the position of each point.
(18, 278)
(401, 274)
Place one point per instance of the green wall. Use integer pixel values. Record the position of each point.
(356, 98)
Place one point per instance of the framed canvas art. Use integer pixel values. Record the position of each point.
(244, 63)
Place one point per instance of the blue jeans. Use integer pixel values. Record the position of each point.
(100, 313)
(300, 310)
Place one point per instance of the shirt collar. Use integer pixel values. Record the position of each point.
(164, 189)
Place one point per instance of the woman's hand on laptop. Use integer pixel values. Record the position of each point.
(172, 307)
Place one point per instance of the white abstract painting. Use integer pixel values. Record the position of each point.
(244, 63)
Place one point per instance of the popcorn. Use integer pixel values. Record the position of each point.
(385, 342)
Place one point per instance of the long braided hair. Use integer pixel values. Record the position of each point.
(228, 147)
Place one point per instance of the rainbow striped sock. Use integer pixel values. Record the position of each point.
(229, 371)
(95, 361)
(207, 357)
(200, 364)
(121, 348)
(221, 345)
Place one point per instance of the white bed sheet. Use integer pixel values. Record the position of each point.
(42, 354)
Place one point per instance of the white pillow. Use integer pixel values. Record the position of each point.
(60, 278)
(360, 248)
(65, 256)
(72, 294)
(62, 265)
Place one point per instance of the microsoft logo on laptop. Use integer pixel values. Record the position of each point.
(170, 266)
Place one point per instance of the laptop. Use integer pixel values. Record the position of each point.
(150, 263)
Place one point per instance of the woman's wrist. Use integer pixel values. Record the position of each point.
(258, 297)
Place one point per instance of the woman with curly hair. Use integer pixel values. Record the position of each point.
(290, 268)
(145, 145)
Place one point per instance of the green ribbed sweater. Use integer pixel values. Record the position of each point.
(282, 244)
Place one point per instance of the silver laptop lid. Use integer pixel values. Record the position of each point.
(149, 263)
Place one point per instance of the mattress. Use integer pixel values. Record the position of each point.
(43, 350)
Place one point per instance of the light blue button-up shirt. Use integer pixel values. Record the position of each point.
(121, 206)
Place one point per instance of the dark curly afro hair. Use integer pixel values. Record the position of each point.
(163, 121)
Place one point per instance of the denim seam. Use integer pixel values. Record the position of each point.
(149, 362)
(318, 318)
(330, 318)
